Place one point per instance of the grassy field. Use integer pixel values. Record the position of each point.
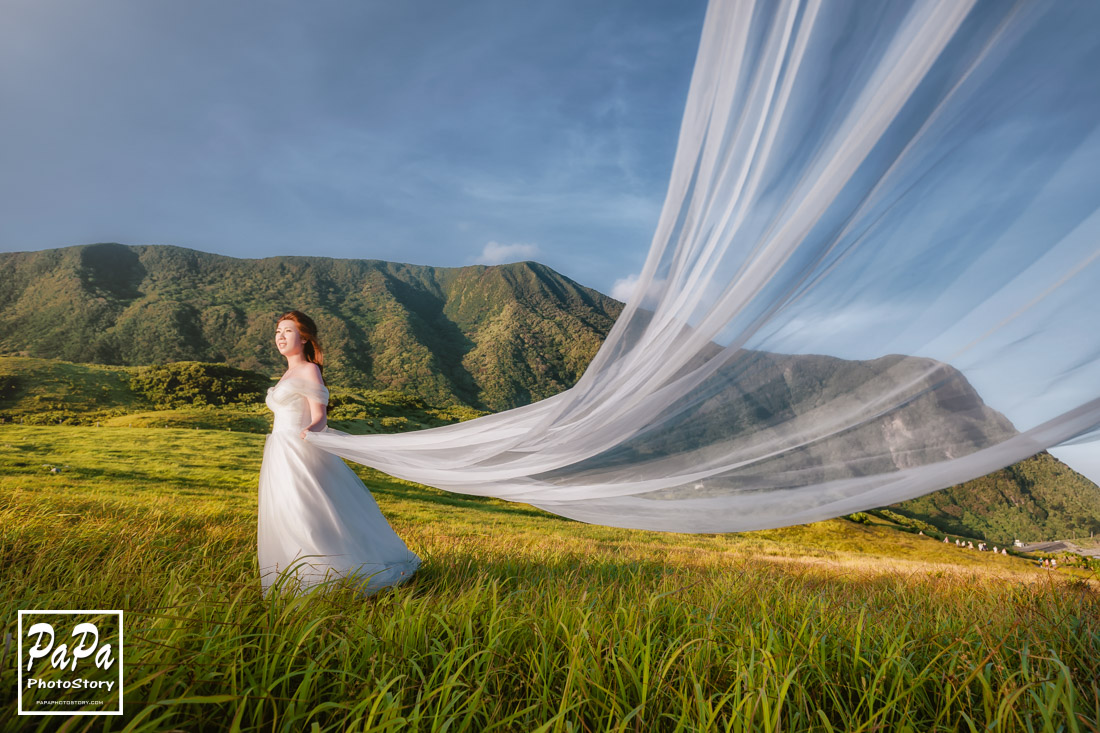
(519, 620)
(52, 392)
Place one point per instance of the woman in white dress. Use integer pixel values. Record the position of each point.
(315, 516)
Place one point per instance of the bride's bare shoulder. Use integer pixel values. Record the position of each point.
(310, 372)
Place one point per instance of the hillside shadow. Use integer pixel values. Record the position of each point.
(111, 270)
(461, 501)
(443, 339)
(357, 353)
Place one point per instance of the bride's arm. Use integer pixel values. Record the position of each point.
(317, 409)
(318, 415)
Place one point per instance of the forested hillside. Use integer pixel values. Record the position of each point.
(488, 337)
(412, 346)
(1039, 498)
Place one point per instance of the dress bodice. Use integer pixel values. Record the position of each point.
(287, 400)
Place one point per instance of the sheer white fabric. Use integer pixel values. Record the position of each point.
(317, 521)
(874, 276)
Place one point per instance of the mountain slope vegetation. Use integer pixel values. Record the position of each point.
(1039, 498)
(487, 337)
(412, 346)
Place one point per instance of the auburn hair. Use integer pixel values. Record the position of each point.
(311, 350)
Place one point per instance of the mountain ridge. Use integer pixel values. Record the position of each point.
(484, 337)
(438, 332)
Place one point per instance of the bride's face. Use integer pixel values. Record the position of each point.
(288, 339)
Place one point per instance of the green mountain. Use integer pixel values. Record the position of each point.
(762, 398)
(413, 346)
(1039, 498)
(488, 337)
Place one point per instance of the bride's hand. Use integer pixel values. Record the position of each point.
(303, 434)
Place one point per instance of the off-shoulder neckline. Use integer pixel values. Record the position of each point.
(306, 382)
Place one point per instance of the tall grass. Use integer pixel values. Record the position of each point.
(522, 621)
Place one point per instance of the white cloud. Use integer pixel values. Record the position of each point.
(624, 287)
(496, 254)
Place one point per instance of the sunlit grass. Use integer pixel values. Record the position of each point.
(519, 620)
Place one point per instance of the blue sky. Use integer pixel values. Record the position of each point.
(427, 132)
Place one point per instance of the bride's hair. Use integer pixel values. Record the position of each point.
(312, 348)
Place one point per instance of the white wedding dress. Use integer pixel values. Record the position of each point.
(314, 512)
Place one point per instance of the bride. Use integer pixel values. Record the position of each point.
(317, 521)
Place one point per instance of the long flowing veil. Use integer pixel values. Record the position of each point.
(876, 274)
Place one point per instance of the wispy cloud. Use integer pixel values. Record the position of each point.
(624, 287)
(350, 130)
(495, 253)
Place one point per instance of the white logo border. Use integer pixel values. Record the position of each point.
(19, 683)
